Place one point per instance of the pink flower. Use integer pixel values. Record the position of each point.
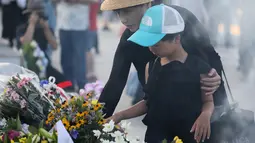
(23, 103)
(23, 82)
(14, 96)
(13, 134)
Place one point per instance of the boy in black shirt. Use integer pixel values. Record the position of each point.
(174, 103)
(195, 41)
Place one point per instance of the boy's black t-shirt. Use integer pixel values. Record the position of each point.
(195, 41)
(173, 95)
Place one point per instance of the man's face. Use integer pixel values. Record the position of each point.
(131, 16)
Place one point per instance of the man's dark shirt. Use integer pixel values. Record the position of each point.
(194, 37)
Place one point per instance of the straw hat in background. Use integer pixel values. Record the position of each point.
(119, 4)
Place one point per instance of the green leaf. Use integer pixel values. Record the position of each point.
(46, 134)
(5, 138)
(55, 136)
(33, 130)
(164, 141)
(18, 123)
(41, 124)
(29, 139)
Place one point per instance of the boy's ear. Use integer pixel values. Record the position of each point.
(177, 39)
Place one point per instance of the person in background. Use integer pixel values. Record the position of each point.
(37, 28)
(73, 25)
(50, 12)
(93, 42)
(195, 41)
(107, 18)
(11, 17)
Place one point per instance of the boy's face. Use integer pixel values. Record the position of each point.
(165, 48)
(131, 16)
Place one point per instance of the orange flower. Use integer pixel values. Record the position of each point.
(85, 104)
(97, 106)
(101, 122)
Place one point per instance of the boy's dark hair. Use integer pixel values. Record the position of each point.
(170, 37)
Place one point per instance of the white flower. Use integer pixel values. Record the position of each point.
(97, 133)
(108, 127)
(125, 125)
(3, 122)
(104, 141)
(36, 139)
(25, 128)
(135, 140)
(33, 44)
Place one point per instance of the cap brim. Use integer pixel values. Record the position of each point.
(145, 39)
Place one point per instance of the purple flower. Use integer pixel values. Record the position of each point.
(13, 134)
(74, 134)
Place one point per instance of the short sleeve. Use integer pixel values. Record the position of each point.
(198, 65)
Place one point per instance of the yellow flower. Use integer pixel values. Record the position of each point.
(80, 114)
(178, 141)
(94, 102)
(78, 125)
(46, 122)
(81, 122)
(176, 138)
(12, 141)
(97, 106)
(44, 141)
(85, 113)
(85, 104)
(89, 94)
(66, 123)
(101, 122)
(23, 140)
(73, 99)
(72, 128)
(58, 110)
(64, 104)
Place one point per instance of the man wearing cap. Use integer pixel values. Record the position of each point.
(195, 40)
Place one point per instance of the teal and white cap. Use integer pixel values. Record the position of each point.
(157, 21)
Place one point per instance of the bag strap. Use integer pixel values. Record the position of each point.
(228, 86)
(234, 103)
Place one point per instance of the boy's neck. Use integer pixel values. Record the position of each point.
(179, 55)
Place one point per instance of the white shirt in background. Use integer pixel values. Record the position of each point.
(72, 16)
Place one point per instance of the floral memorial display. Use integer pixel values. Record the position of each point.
(34, 111)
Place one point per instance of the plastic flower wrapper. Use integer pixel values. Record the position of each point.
(20, 93)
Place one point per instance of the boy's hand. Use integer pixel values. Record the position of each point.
(116, 118)
(202, 127)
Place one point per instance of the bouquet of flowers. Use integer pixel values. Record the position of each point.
(35, 59)
(12, 131)
(21, 93)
